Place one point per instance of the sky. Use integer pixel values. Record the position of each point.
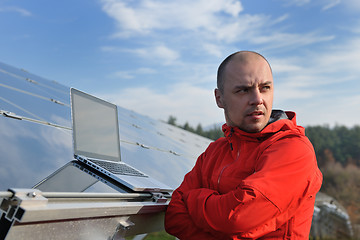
(160, 57)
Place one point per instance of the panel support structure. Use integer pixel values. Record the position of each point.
(28, 214)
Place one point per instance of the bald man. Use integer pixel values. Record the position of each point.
(260, 180)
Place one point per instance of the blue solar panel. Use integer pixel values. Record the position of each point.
(36, 146)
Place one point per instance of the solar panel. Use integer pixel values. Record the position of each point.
(35, 135)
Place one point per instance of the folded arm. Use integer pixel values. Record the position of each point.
(263, 201)
(177, 219)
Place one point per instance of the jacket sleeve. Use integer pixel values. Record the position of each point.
(177, 219)
(286, 175)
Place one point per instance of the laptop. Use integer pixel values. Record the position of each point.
(96, 143)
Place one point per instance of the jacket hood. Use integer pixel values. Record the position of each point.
(279, 121)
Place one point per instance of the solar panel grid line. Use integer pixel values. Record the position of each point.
(21, 108)
(156, 148)
(34, 95)
(31, 80)
(137, 126)
(174, 152)
(14, 116)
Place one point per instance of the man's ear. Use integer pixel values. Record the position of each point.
(219, 98)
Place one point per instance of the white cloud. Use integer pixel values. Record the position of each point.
(284, 65)
(146, 71)
(352, 5)
(184, 101)
(333, 110)
(355, 28)
(150, 15)
(281, 19)
(164, 53)
(342, 58)
(213, 49)
(122, 75)
(23, 12)
(331, 4)
(183, 24)
(321, 86)
(334, 61)
(327, 4)
(280, 40)
(125, 17)
(111, 49)
(217, 19)
(159, 53)
(296, 2)
(290, 90)
(132, 74)
(155, 52)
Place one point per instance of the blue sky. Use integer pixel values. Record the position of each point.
(160, 57)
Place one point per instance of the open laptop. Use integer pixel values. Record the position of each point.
(96, 143)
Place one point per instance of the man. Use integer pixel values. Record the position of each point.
(260, 181)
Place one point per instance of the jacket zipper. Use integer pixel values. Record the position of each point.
(231, 133)
(222, 170)
(237, 157)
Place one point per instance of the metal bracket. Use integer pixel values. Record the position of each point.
(124, 225)
(10, 115)
(11, 211)
(158, 198)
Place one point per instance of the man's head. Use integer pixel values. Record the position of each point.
(245, 90)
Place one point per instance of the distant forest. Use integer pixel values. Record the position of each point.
(338, 154)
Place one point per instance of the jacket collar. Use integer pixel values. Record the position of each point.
(279, 120)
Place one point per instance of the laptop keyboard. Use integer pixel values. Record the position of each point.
(119, 168)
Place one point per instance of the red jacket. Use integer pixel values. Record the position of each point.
(249, 186)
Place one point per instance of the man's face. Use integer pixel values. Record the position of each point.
(247, 96)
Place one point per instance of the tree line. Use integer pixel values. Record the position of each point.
(213, 133)
(338, 154)
(338, 144)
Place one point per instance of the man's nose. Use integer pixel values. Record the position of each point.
(256, 98)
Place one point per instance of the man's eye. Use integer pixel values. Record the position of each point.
(242, 90)
(265, 88)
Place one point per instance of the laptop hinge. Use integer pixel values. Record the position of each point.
(80, 157)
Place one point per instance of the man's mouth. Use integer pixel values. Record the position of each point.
(255, 115)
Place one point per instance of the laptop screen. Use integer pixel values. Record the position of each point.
(95, 127)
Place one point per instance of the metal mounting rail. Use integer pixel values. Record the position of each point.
(80, 195)
(32, 214)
